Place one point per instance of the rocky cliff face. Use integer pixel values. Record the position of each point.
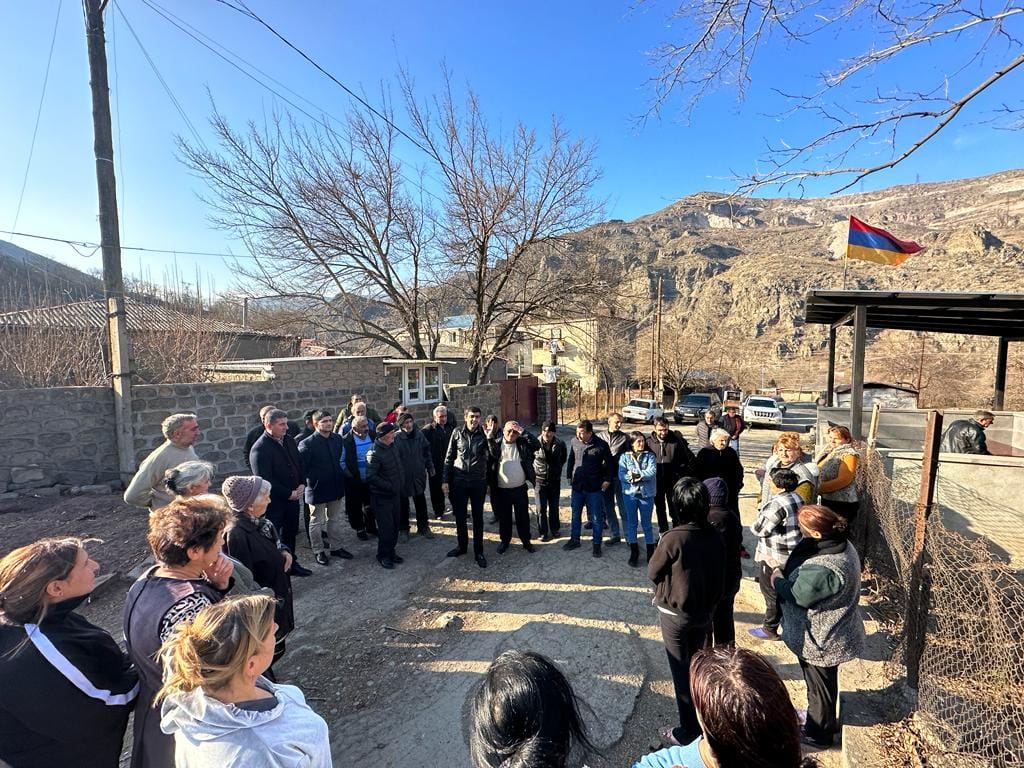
(747, 263)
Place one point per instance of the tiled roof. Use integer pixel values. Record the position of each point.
(87, 315)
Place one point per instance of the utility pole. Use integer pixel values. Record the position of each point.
(661, 383)
(110, 241)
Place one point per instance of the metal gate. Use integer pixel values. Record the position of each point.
(519, 400)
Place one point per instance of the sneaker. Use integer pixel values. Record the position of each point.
(529, 547)
(502, 548)
(321, 558)
(615, 539)
(545, 537)
(597, 549)
(763, 634)
(456, 552)
(571, 544)
(344, 554)
(362, 535)
(481, 561)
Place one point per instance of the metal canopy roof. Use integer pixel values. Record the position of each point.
(982, 314)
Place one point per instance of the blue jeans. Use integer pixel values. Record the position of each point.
(612, 497)
(637, 507)
(595, 509)
(734, 443)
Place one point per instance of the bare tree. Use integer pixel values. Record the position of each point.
(978, 45)
(334, 224)
(510, 202)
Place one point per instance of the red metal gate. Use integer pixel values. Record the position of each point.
(519, 400)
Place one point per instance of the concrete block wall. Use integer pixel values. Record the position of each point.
(487, 397)
(56, 438)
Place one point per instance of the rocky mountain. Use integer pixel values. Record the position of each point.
(742, 266)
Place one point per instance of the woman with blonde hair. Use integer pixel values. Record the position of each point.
(66, 688)
(190, 573)
(217, 705)
(837, 468)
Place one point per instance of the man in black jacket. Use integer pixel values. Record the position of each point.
(256, 432)
(465, 479)
(386, 476)
(511, 476)
(275, 458)
(325, 487)
(438, 434)
(590, 471)
(618, 444)
(548, 461)
(968, 435)
(675, 459)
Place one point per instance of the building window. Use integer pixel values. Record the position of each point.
(538, 368)
(539, 344)
(431, 382)
(413, 385)
(453, 337)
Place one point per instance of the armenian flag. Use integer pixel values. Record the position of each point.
(873, 244)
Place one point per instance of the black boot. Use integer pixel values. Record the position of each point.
(650, 551)
(597, 547)
(634, 555)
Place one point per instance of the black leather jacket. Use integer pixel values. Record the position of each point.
(964, 436)
(548, 462)
(468, 457)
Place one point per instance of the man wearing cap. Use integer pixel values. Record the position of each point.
(511, 471)
(385, 476)
(465, 481)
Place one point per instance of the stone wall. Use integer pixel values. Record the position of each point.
(64, 437)
(56, 438)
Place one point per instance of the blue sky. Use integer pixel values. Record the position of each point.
(582, 61)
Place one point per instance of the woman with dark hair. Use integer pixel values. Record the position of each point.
(638, 470)
(747, 719)
(525, 715)
(819, 588)
(723, 520)
(66, 688)
(688, 571)
(190, 573)
(778, 532)
(837, 469)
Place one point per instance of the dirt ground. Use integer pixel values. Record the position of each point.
(389, 658)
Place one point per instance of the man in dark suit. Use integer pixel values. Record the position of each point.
(325, 487)
(256, 432)
(438, 434)
(275, 458)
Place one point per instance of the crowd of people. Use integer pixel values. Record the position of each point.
(205, 623)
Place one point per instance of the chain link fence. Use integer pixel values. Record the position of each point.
(969, 658)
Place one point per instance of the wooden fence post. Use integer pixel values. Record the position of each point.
(919, 592)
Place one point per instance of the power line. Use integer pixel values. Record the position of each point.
(39, 113)
(160, 77)
(85, 244)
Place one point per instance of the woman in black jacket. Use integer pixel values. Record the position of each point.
(727, 523)
(688, 571)
(720, 460)
(66, 688)
(254, 541)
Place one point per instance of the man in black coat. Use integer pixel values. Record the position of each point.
(275, 458)
(674, 458)
(438, 434)
(618, 443)
(466, 465)
(385, 476)
(325, 487)
(548, 462)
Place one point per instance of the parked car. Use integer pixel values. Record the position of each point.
(762, 410)
(639, 409)
(690, 410)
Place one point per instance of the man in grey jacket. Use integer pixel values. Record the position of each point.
(385, 476)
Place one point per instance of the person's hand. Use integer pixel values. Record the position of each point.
(219, 572)
(287, 560)
(605, 485)
(777, 574)
(444, 488)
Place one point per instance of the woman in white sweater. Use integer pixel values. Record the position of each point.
(219, 707)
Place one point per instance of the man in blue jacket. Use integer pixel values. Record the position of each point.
(590, 470)
(325, 487)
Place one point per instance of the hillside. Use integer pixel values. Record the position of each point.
(28, 279)
(741, 267)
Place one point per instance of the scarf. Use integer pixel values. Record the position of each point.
(810, 547)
